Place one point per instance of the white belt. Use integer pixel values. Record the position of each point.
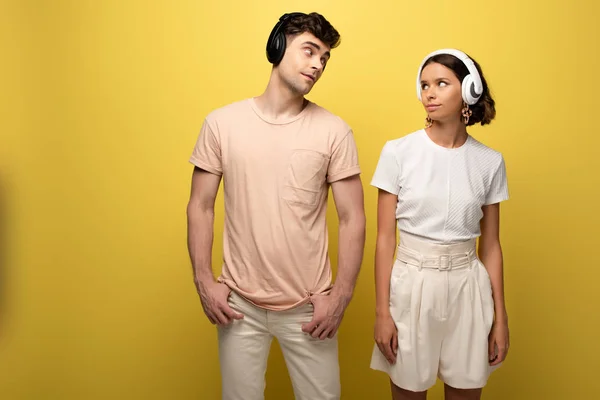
(442, 262)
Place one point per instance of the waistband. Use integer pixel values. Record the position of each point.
(423, 254)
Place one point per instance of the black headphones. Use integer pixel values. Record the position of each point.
(277, 43)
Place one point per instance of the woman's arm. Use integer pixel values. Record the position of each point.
(490, 254)
(386, 335)
(384, 250)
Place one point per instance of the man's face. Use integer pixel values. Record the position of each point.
(303, 62)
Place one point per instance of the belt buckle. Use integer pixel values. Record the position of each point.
(445, 262)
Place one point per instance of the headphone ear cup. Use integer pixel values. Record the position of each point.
(468, 90)
(278, 48)
(276, 45)
(272, 49)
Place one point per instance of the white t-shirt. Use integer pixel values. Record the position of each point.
(441, 191)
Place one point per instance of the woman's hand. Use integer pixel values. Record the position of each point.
(498, 342)
(386, 337)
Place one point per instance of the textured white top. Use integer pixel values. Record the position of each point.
(440, 191)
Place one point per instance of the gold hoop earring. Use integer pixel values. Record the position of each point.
(466, 114)
(428, 122)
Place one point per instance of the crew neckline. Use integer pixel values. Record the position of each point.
(448, 149)
(272, 121)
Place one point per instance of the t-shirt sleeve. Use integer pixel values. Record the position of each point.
(206, 154)
(387, 172)
(498, 190)
(344, 159)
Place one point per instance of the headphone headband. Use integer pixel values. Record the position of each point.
(472, 85)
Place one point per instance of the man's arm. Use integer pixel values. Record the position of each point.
(349, 200)
(200, 218)
(329, 310)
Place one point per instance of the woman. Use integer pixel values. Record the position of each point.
(440, 303)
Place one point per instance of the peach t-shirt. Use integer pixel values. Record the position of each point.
(276, 177)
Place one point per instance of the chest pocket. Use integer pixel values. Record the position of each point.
(305, 177)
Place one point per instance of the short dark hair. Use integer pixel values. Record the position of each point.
(316, 24)
(484, 110)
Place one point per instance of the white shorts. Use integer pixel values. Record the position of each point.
(441, 302)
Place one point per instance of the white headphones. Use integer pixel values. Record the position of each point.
(472, 87)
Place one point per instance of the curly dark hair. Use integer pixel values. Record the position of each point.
(316, 24)
(484, 110)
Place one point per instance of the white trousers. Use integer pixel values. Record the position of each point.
(244, 349)
(441, 302)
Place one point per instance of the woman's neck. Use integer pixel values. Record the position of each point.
(448, 134)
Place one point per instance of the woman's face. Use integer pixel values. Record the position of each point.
(441, 93)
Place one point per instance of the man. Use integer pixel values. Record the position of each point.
(278, 154)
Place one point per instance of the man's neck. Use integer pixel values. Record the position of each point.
(278, 101)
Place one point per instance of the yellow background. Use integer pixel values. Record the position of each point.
(101, 103)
